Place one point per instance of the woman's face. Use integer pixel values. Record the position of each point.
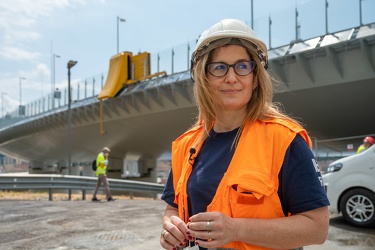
(231, 92)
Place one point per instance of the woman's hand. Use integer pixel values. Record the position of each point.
(174, 230)
(212, 229)
(290, 232)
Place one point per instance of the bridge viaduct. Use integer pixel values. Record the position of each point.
(327, 82)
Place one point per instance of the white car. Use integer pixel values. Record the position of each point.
(350, 187)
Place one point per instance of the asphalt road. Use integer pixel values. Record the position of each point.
(123, 224)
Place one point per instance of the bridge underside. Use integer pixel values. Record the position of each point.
(327, 112)
(138, 124)
(334, 111)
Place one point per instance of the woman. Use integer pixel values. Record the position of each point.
(244, 176)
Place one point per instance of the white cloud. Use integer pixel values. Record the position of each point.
(41, 73)
(17, 36)
(42, 69)
(17, 54)
(18, 21)
(22, 47)
(36, 79)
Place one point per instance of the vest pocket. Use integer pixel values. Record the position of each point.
(248, 197)
(252, 195)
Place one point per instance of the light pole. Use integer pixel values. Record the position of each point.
(2, 104)
(269, 31)
(360, 12)
(252, 15)
(53, 79)
(119, 19)
(21, 110)
(326, 16)
(70, 65)
(21, 78)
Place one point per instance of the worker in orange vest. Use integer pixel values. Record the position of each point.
(244, 176)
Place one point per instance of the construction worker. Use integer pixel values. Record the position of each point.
(243, 177)
(101, 170)
(367, 142)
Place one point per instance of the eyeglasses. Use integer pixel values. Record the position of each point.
(219, 69)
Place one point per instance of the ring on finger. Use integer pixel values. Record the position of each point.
(209, 236)
(163, 233)
(208, 226)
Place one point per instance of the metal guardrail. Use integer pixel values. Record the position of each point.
(84, 183)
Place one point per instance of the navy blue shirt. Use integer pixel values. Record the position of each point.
(300, 182)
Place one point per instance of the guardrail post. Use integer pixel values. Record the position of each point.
(131, 195)
(70, 195)
(50, 198)
(83, 194)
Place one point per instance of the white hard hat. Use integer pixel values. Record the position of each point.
(106, 149)
(225, 30)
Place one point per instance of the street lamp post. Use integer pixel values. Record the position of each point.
(53, 80)
(21, 78)
(2, 108)
(360, 12)
(70, 65)
(252, 15)
(21, 110)
(119, 19)
(2, 104)
(326, 16)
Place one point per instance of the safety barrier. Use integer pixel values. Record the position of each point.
(66, 182)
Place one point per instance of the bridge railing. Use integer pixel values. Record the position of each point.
(66, 182)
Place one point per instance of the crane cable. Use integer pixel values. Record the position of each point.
(102, 131)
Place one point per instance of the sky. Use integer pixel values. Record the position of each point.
(37, 34)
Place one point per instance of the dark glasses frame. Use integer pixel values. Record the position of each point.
(252, 65)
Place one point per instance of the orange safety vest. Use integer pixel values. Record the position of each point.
(249, 187)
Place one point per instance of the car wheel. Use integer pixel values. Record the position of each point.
(358, 207)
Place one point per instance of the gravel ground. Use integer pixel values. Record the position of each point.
(30, 221)
(123, 224)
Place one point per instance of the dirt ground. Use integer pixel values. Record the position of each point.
(31, 221)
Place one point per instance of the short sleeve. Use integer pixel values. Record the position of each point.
(301, 186)
(168, 192)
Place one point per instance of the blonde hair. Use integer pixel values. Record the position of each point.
(260, 106)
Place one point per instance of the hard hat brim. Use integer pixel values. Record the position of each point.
(230, 28)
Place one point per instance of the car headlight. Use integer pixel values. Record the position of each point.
(334, 167)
